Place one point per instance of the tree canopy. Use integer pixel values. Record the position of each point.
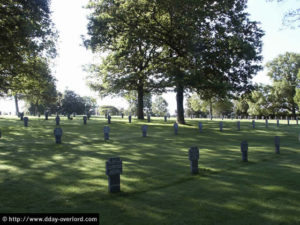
(201, 44)
(26, 32)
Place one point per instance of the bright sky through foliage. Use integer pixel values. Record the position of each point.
(69, 17)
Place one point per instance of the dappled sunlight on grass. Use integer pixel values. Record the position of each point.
(37, 175)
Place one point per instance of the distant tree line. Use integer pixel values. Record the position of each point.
(282, 98)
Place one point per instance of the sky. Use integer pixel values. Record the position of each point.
(70, 18)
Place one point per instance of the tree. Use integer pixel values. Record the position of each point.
(132, 98)
(26, 32)
(105, 109)
(297, 95)
(90, 104)
(241, 106)
(283, 72)
(160, 106)
(193, 37)
(72, 103)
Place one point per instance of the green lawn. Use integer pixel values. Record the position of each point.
(37, 175)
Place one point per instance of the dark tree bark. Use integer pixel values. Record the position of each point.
(179, 99)
(140, 107)
(17, 105)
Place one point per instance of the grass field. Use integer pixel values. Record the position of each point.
(37, 175)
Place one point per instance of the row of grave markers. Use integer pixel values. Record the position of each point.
(114, 166)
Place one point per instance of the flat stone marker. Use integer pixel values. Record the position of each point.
(238, 125)
(113, 171)
(46, 115)
(267, 123)
(277, 144)
(165, 118)
(253, 124)
(58, 133)
(57, 120)
(200, 127)
(106, 131)
(129, 118)
(109, 119)
(194, 157)
(277, 123)
(244, 150)
(148, 118)
(221, 126)
(25, 121)
(144, 130)
(175, 128)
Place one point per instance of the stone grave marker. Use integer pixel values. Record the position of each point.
(238, 124)
(106, 131)
(113, 171)
(25, 121)
(277, 144)
(129, 118)
(21, 116)
(200, 127)
(244, 150)
(58, 133)
(175, 128)
(84, 119)
(109, 119)
(144, 130)
(194, 157)
(221, 126)
(267, 124)
(277, 123)
(46, 115)
(148, 118)
(165, 118)
(288, 122)
(57, 120)
(122, 115)
(253, 124)
(297, 121)
(39, 114)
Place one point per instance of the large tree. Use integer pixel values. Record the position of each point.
(283, 72)
(197, 40)
(26, 31)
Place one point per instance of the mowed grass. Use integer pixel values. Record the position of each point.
(37, 175)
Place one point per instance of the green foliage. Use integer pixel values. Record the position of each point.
(241, 106)
(72, 102)
(283, 71)
(105, 109)
(26, 31)
(160, 106)
(203, 45)
(214, 106)
(132, 98)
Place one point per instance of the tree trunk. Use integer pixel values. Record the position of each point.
(210, 109)
(140, 106)
(17, 105)
(179, 99)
